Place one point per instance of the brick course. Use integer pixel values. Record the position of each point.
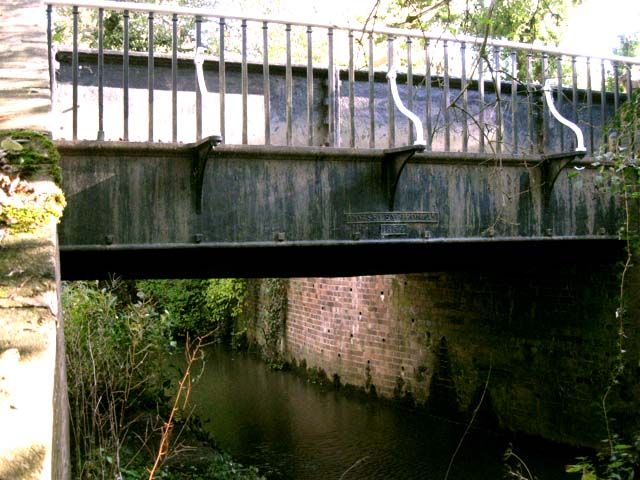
(544, 337)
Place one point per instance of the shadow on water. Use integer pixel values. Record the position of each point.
(291, 429)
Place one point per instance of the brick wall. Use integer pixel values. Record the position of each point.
(541, 339)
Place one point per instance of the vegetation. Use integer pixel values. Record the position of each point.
(126, 409)
(26, 155)
(518, 20)
(197, 307)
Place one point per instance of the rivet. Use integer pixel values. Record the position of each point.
(108, 239)
(197, 238)
(280, 237)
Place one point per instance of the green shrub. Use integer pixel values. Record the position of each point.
(114, 352)
(197, 307)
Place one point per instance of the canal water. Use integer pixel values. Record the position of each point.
(292, 429)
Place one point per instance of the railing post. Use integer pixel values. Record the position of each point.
(391, 123)
(150, 76)
(75, 67)
(410, 87)
(198, 90)
(125, 76)
(174, 78)
(245, 86)
(222, 79)
(465, 96)
(266, 90)
(309, 86)
(372, 105)
(100, 74)
(560, 99)
(331, 93)
(352, 108)
(446, 99)
(288, 88)
(498, 89)
(427, 86)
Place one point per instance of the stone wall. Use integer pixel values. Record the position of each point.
(542, 340)
(33, 402)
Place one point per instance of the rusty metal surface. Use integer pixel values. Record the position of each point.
(142, 194)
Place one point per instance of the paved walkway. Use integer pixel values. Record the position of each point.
(24, 71)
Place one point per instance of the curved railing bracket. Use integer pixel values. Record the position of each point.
(199, 157)
(393, 163)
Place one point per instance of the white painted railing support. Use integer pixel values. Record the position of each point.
(548, 85)
(392, 75)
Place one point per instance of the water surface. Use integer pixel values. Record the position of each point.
(291, 429)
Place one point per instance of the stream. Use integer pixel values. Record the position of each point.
(292, 429)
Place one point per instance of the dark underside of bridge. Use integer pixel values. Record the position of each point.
(331, 259)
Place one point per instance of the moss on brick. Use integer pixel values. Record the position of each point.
(37, 157)
(25, 156)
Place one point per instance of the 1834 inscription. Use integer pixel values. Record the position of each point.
(390, 224)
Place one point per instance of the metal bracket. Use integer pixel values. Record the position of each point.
(553, 164)
(199, 157)
(393, 163)
(550, 168)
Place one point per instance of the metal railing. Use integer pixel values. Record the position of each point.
(282, 81)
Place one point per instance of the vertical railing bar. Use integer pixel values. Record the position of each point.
(125, 76)
(465, 96)
(616, 85)
(150, 77)
(245, 86)
(603, 95)
(331, 87)
(410, 87)
(427, 85)
(574, 90)
(174, 78)
(545, 115)
(629, 82)
(530, 123)
(514, 102)
(50, 48)
(222, 79)
(481, 101)
(289, 86)
(634, 125)
(445, 99)
(74, 65)
(372, 109)
(198, 90)
(560, 99)
(352, 106)
(266, 90)
(391, 119)
(309, 86)
(590, 105)
(498, 86)
(100, 74)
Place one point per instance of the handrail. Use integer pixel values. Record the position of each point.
(438, 36)
(558, 116)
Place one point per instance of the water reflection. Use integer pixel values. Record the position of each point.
(292, 430)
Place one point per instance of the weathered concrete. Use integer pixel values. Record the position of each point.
(32, 411)
(34, 437)
(25, 98)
